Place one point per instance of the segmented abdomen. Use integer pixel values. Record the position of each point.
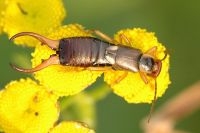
(82, 51)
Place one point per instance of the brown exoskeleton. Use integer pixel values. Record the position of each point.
(93, 53)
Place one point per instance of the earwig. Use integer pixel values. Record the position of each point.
(90, 52)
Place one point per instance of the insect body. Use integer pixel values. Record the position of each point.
(94, 54)
(82, 51)
(88, 51)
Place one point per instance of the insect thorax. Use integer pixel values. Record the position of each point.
(123, 58)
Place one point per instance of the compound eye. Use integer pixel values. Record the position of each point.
(146, 64)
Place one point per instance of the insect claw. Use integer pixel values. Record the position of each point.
(45, 63)
(53, 44)
(15, 67)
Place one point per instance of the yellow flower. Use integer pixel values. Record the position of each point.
(132, 88)
(35, 16)
(27, 107)
(71, 127)
(63, 80)
(2, 9)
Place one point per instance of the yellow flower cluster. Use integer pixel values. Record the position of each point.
(2, 8)
(132, 88)
(25, 15)
(26, 106)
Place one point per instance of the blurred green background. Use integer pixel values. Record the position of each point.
(177, 26)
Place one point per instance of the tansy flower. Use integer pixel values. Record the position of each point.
(132, 88)
(2, 8)
(38, 16)
(63, 80)
(27, 107)
(71, 127)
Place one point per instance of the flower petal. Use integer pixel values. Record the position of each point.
(27, 107)
(63, 80)
(2, 12)
(38, 16)
(132, 88)
(71, 127)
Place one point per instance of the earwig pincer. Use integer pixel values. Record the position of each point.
(94, 54)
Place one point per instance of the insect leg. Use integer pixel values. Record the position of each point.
(120, 78)
(98, 68)
(144, 77)
(103, 36)
(152, 51)
(123, 37)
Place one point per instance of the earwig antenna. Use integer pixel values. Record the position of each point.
(166, 53)
(51, 61)
(153, 102)
(53, 44)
